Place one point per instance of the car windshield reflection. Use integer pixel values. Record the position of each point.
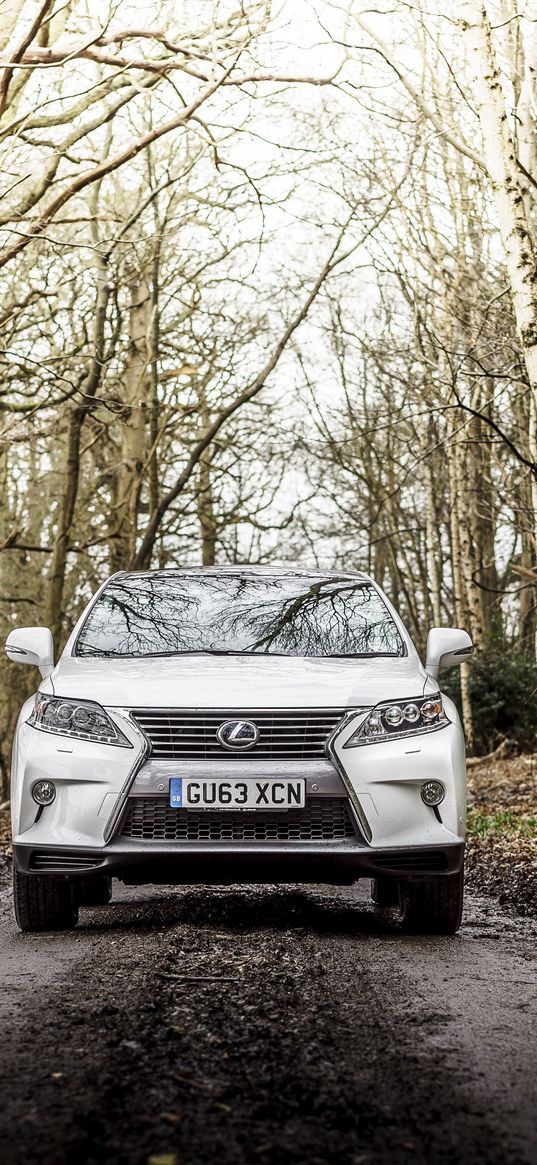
(175, 613)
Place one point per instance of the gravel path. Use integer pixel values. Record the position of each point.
(267, 1025)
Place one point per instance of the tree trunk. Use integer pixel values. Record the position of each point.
(77, 416)
(458, 582)
(433, 547)
(205, 496)
(134, 429)
(511, 207)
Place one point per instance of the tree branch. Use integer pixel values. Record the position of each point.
(143, 555)
(104, 168)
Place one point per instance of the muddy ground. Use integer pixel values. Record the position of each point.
(267, 1025)
(501, 850)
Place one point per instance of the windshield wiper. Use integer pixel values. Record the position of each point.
(361, 655)
(164, 654)
(213, 651)
(223, 651)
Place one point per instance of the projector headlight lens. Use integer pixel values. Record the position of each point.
(394, 716)
(411, 713)
(430, 709)
(389, 721)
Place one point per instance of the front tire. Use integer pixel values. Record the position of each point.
(43, 903)
(94, 891)
(433, 905)
(384, 892)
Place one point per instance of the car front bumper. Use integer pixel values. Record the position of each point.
(217, 864)
(396, 833)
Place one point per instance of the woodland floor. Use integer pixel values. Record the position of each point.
(501, 852)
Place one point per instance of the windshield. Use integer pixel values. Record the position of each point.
(289, 614)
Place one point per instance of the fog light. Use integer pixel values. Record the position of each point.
(432, 793)
(43, 792)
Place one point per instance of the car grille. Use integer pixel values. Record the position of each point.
(322, 819)
(283, 735)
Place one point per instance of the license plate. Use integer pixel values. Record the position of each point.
(197, 793)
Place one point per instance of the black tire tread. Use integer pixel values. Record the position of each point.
(385, 892)
(433, 905)
(43, 903)
(95, 891)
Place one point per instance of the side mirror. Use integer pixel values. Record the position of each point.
(32, 645)
(446, 647)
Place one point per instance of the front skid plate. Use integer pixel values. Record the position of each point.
(215, 864)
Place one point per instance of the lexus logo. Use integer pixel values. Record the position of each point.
(238, 734)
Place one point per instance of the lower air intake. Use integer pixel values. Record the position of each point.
(416, 862)
(62, 863)
(322, 819)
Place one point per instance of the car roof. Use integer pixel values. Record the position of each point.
(279, 571)
(247, 569)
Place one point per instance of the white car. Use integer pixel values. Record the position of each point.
(228, 724)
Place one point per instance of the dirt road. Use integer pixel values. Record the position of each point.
(271, 1026)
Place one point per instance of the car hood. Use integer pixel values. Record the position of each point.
(240, 682)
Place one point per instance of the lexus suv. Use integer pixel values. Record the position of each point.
(228, 724)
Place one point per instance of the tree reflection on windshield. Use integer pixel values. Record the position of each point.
(289, 614)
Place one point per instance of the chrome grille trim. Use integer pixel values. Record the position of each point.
(284, 733)
(352, 717)
(138, 762)
(322, 819)
(321, 777)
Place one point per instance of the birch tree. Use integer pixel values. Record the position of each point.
(509, 182)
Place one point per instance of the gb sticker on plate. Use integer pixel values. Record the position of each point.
(176, 792)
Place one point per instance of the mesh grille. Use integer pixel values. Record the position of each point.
(322, 819)
(283, 735)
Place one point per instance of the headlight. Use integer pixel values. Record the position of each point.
(80, 718)
(408, 718)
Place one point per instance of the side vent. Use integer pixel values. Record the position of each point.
(55, 863)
